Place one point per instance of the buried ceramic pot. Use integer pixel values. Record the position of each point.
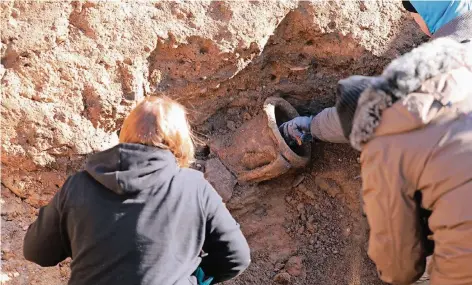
(257, 151)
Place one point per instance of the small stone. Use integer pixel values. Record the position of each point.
(61, 39)
(302, 188)
(7, 254)
(15, 13)
(25, 228)
(310, 227)
(300, 230)
(300, 208)
(299, 179)
(232, 111)
(328, 185)
(335, 251)
(288, 199)
(303, 217)
(220, 177)
(279, 266)
(282, 278)
(347, 232)
(16, 274)
(294, 266)
(231, 125)
(246, 116)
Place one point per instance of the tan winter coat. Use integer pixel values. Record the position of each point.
(415, 134)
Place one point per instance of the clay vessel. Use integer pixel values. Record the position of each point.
(256, 151)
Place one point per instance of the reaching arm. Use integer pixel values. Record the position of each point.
(227, 249)
(326, 127)
(43, 243)
(395, 242)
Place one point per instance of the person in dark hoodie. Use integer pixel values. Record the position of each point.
(138, 215)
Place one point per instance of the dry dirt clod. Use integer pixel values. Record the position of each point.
(294, 266)
(231, 125)
(328, 185)
(311, 218)
(302, 188)
(301, 208)
(278, 267)
(300, 230)
(299, 179)
(247, 116)
(347, 232)
(7, 255)
(310, 227)
(282, 278)
(303, 217)
(288, 199)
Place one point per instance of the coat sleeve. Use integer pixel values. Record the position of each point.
(43, 243)
(395, 241)
(227, 248)
(326, 127)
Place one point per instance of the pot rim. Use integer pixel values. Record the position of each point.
(269, 108)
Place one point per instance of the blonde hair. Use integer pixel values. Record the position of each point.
(160, 122)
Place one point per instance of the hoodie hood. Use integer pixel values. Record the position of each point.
(414, 90)
(131, 168)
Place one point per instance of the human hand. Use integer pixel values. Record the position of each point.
(296, 131)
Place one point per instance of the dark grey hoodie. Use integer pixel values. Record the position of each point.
(135, 217)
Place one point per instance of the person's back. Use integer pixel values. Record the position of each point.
(416, 123)
(134, 216)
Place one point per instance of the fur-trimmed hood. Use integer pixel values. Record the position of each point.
(414, 89)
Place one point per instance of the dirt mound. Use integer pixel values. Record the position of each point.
(70, 72)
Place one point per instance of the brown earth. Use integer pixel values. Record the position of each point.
(70, 72)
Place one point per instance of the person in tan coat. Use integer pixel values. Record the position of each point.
(413, 126)
(414, 129)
